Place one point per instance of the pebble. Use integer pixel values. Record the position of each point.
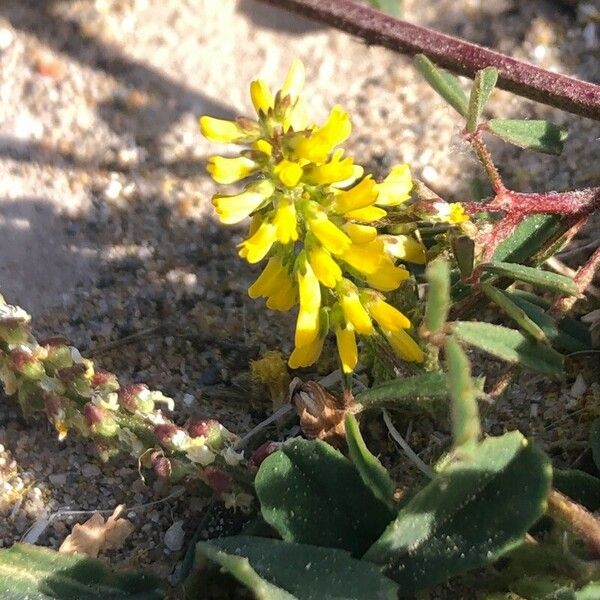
(58, 479)
(174, 537)
(91, 470)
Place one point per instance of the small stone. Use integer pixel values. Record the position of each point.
(174, 537)
(579, 387)
(59, 479)
(6, 38)
(90, 470)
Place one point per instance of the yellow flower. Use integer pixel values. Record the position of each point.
(224, 131)
(395, 188)
(272, 278)
(337, 169)
(366, 215)
(304, 356)
(261, 96)
(288, 172)
(404, 346)
(360, 234)
(256, 247)
(285, 297)
(387, 277)
(450, 212)
(309, 291)
(329, 234)
(387, 316)
(365, 258)
(285, 221)
(263, 146)
(347, 349)
(229, 170)
(326, 269)
(354, 312)
(405, 247)
(363, 194)
(294, 81)
(232, 209)
(317, 146)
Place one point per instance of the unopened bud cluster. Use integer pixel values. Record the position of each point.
(52, 376)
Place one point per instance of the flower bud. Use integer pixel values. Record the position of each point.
(262, 452)
(210, 429)
(70, 374)
(100, 421)
(218, 481)
(26, 362)
(136, 398)
(105, 380)
(162, 465)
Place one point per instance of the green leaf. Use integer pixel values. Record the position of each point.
(591, 591)
(536, 277)
(372, 472)
(34, 573)
(568, 334)
(392, 7)
(580, 486)
(477, 509)
(595, 442)
(444, 83)
(465, 413)
(408, 393)
(311, 494)
(541, 136)
(438, 295)
(501, 298)
(276, 570)
(484, 83)
(531, 234)
(510, 345)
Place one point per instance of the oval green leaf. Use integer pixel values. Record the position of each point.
(541, 136)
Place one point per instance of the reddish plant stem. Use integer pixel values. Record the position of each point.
(486, 160)
(464, 58)
(584, 277)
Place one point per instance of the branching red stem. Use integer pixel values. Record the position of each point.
(464, 58)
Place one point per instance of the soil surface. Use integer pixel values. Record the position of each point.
(106, 227)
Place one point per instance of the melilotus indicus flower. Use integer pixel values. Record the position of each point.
(314, 218)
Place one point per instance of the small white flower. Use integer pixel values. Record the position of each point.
(232, 457)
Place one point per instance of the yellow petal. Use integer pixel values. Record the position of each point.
(329, 234)
(285, 222)
(285, 297)
(268, 281)
(387, 316)
(405, 247)
(360, 234)
(309, 292)
(388, 277)
(256, 247)
(335, 170)
(357, 173)
(366, 215)
(229, 170)
(361, 195)
(317, 146)
(304, 356)
(326, 269)
(233, 209)
(292, 86)
(395, 188)
(452, 212)
(365, 258)
(263, 146)
(221, 130)
(346, 345)
(404, 346)
(288, 172)
(261, 95)
(355, 313)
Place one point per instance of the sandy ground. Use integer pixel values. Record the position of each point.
(105, 221)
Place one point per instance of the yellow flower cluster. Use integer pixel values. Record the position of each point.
(313, 216)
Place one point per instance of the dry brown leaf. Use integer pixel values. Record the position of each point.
(96, 535)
